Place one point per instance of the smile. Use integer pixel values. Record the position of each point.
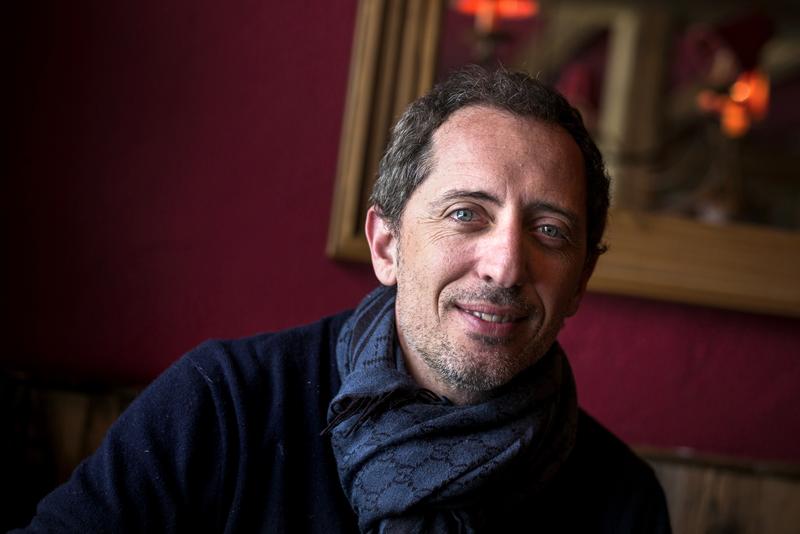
(490, 317)
(492, 314)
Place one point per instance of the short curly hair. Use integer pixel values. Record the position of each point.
(407, 160)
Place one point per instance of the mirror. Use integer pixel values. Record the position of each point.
(688, 221)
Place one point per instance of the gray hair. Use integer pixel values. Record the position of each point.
(407, 160)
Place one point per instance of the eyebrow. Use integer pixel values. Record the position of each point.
(456, 194)
(537, 206)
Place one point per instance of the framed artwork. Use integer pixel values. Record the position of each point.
(687, 222)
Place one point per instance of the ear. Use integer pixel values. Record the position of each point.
(588, 269)
(382, 247)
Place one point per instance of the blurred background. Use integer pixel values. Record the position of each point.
(168, 177)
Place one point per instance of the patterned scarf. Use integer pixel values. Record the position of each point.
(411, 461)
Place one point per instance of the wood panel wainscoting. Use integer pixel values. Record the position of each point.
(718, 495)
(54, 428)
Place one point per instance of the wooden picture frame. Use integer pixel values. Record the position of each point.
(734, 266)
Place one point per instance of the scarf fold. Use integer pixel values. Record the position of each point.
(411, 461)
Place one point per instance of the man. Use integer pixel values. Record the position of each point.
(443, 403)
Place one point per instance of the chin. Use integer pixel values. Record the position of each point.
(480, 372)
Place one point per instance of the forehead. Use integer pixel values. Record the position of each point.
(481, 147)
(489, 132)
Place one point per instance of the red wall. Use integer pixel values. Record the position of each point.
(170, 173)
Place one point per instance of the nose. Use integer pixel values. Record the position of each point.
(502, 256)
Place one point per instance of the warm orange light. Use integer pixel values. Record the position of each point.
(740, 91)
(709, 101)
(506, 9)
(487, 12)
(751, 89)
(746, 101)
(735, 119)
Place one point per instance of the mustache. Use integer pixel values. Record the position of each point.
(510, 297)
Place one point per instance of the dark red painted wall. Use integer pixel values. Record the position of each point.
(171, 177)
(170, 169)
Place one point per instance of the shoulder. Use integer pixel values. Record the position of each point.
(603, 487)
(237, 389)
(318, 335)
(215, 440)
(307, 349)
(611, 484)
(601, 452)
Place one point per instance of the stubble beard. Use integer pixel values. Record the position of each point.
(489, 362)
(478, 370)
(474, 372)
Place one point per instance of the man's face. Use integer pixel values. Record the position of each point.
(491, 251)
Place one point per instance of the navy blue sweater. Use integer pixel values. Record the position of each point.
(228, 440)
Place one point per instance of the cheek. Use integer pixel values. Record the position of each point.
(440, 258)
(556, 281)
(428, 270)
(452, 259)
(434, 273)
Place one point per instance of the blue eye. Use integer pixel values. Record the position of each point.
(463, 215)
(550, 231)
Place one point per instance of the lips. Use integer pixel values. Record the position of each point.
(490, 323)
(492, 314)
(490, 317)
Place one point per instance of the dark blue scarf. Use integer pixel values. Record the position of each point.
(411, 461)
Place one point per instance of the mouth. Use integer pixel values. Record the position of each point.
(490, 324)
(492, 314)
